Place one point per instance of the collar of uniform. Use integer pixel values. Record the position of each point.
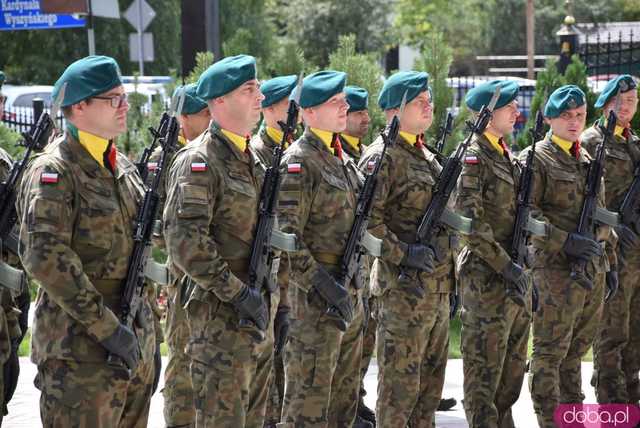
(83, 158)
(239, 141)
(494, 141)
(182, 141)
(325, 136)
(94, 145)
(565, 145)
(275, 134)
(352, 141)
(411, 139)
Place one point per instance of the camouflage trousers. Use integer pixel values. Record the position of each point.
(178, 390)
(617, 344)
(93, 395)
(412, 345)
(276, 391)
(322, 365)
(494, 336)
(230, 370)
(368, 343)
(563, 331)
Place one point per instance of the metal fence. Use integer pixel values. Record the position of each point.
(21, 119)
(611, 55)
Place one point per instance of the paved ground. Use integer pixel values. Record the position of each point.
(23, 409)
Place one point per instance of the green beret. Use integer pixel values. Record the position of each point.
(277, 89)
(86, 78)
(625, 82)
(481, 94)
(411, 82)
(192, 103)
(226, 75)
(2, 78)
(566, 97)
(357, 98)
(319, 87)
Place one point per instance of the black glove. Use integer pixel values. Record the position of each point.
(157, 367)
(454, 304)
(419, 257)
(281, 325)
(251, 305)
(612, 284)
(627, 238)
(334, 294)
(517, 282)
(11, 370)
(581, 248)
(124, 343)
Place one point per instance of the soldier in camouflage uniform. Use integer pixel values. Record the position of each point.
(617, 344)
(317, 203)
(275, 105)
(496, 308)
(209, 220)
(566, 322)
(76, 206)
(179, 410)
(412, 288)
(351, 141)
(11, 332)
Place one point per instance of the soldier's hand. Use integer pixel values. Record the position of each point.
(281, 325)
(454, 304)
(124, 343)
(517, 282)
(581, 248)
(333, 293)
(612, 284)
(627, 238)
(419, 257)
(251, 305)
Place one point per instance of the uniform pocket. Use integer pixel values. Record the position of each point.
(193, 201)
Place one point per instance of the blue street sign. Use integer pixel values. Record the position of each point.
(26, 15)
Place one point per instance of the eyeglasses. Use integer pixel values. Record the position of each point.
(117, 101)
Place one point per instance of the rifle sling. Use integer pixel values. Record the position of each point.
(11, 277)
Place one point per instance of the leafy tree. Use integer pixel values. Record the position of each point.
(362, 70)
(9, 140)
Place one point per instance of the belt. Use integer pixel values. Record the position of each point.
(327, 258)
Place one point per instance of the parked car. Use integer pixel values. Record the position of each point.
(20, 100)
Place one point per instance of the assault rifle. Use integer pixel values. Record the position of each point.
(134, 283)
(36, 139)
(521, 233)
(143, 169)
(587, 222)
(261, 260)
(354, 250)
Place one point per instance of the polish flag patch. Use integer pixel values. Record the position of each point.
(471, 160)
(152, 166)
(294, 168)
(198, 166)
(371, 165)
(49, 178)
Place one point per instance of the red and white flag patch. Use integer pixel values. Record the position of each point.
(294, 168)
(471, 160)
(152, 166)
(49, 178)
(371, 165)
(198, 166)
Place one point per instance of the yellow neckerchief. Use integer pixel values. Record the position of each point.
(275, 134)
(325, 136)
(409, 138)
(181, 140)
(618, 132)
(96, 146)
(495, 142)
(352, 141)
(239, 141)
(565, 145)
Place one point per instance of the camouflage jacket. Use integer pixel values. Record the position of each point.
(405, 186)
(317, 203)
(210, 214)
(622, 157)
(262, 147)
(9, 313)
(559, 181)
(76, 237)
(487, 194)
